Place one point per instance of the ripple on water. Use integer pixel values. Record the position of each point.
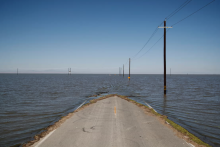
(30, 103)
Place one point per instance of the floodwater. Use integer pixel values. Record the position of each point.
(31, 102)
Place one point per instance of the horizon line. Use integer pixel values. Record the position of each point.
(113, 73)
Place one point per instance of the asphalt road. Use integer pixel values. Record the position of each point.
(112, 122)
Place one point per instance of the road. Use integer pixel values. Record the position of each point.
(112, 122)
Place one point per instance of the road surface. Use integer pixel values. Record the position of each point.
(112, 122)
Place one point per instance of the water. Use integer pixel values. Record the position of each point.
(31, 102)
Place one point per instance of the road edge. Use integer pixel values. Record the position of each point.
(179, 131)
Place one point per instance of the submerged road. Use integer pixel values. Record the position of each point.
(112, 122)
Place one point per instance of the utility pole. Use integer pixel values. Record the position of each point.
(129, 68)
(17, 71)
(164, 53)
(164, 57)
(170, 71)
(69, 71)
(119, 71)
(123, 71)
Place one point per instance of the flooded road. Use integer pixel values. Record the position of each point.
(31, 102)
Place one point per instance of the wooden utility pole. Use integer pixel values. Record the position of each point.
(123, 71)
(164, 57)
(164, 54)
(129, 68)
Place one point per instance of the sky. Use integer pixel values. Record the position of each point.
(99, 36)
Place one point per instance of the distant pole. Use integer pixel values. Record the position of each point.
(69, 71)
(129, 69)
(17, 71)
(170, 71)
(164, 53)
(123, 71)
(119, 71)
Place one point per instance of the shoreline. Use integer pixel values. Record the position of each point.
(178, 130)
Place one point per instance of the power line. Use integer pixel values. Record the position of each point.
(192, 13)
(147, 41)
(168, 17)
(178, 9)
(152, 46)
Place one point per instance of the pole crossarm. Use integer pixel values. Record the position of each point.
(165, 27)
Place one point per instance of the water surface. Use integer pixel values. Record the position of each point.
(31, 102)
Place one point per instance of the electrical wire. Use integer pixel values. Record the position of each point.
(152, 46)
(178, 9)
(192, 13)
(147, 41)
(168, 17)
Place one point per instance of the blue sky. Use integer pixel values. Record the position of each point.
(49, 36)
